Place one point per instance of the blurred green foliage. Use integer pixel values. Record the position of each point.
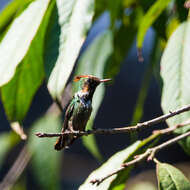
(40, 41)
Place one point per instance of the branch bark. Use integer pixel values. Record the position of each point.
(128, 129)
(16, 169)
(149, 154)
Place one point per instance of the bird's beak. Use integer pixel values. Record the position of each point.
(105, 80)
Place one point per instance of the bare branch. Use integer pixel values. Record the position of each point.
(149, 155)
(128, 129)
(16, 170)
(171, 129)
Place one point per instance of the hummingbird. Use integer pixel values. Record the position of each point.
(79, 109)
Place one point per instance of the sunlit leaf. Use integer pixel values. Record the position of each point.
(148, 19)
(174, 23)
(8, 13)
(175, 69)
(93, 62)
(170, 178)
(75, 20)
(17, 94)
(16, 42)
(45, 160)
(108, 167)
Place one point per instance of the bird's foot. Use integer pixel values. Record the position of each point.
(74, 131)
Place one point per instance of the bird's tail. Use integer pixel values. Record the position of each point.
(64, 141)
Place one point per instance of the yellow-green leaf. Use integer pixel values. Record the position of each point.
(108, 167)
(170, 178)
(151, 15)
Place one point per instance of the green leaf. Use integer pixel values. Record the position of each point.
(108, 167)
(115, 10)
(52, 42)
(8, 13)
(93, 62)
(100, 7)
(18, 93)
(75, 20)
(170, 178)
(148, 19)
(21, 32)
(175, 69)
(45, 160)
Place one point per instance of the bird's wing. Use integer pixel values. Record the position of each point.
(68, 115)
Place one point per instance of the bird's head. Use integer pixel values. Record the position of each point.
(89, 82)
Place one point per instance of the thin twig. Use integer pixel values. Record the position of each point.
(171, 129)
(16, 170)
(149, 155)
(128, 129)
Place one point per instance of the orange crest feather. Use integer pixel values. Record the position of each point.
(77, 78)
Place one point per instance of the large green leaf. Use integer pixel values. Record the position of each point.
(175, 69)
(93, 62)
(9, 12)
(75, 20)
(148, 19)
(52, 42)
(16, 42)
(108, 167)
(45, 160)
(18, 93)
(170, 178)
